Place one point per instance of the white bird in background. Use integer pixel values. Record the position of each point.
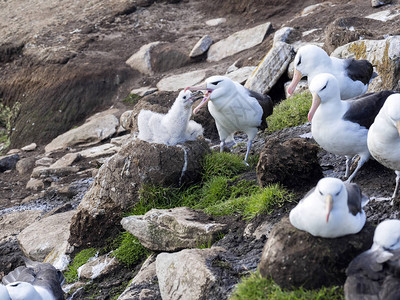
(35, 281)
(171, 128)
(353, 75)
(374, 274)
(384, 137)
(331, 209)
(234, 108)
(341, 127)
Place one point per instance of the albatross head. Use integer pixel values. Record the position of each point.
(20, 290)
(324, 87)
(391, 109)
(332, 192)
(215, 87)
(307, 59)
(187, 98)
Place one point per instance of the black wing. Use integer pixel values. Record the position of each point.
(266, 105)
(354, 198)
(363, 110)
(359, 70)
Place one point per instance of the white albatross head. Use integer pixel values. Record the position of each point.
(324, 87)
(187, 98)
(215, 87)
(308, 59)
(332, 192)
(20, 290)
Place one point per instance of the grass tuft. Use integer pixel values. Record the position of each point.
(290, 112)
(256, 287)
(222, 164)
(130, 252)
(131, 99)
(71, 275)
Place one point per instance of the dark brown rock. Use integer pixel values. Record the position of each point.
(293, 163)
(294, 258)
(119, 180)
(11, 256)
(8, 162)
(349, 29)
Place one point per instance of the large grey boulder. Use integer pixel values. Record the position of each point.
(96, 129)
(173, 229)
(41, 237)
(144, 285)
(13, 223)
(294, 258)
(201, 46)
(384, 56)
(185, 274)
(237, 42)
(117, 184)
(271, 68)
(181, 81)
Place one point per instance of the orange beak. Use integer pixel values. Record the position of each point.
(295, 80)
(316, 101)
(329, 204)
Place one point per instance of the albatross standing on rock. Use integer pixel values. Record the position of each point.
(353, 75)
(331, 209)
(341, 127)
(234, 108)
(384, 137)
(36, 281)
(374, 274)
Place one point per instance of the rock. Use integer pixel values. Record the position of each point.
(315, 7)
(284, 35)
(145, 280)
(11, 256)
(98, 267)
(201, 46)
(242, 74)
(40, 238)
(35, 185)
(44, 172)
(92, 132)
(141, 60)
(157, 57)
(98, 151)
(66, 161)
(377, 3)
(173, 229)
(58, 257)
(8, 162)
(294, 258)
(293, 163)
(181, 81)
(13, 223)
(385, 15)
(29, 147)
(25, 165)
(349, 29)
(144, 91)
(215, 22)
(185, 274)
(118, 182)
(44, 161)
(237, 42)
(383, 54)
(271, 68)
(126, 119)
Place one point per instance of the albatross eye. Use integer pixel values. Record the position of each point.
(216, 82)
(299, 62)
(324, 87)
(184, 97)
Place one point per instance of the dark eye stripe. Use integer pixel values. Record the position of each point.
(216, 82)
(299, 62)
(324, 87)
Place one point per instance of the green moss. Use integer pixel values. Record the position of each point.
(130, 252)
(7, 118)
(71, 275)
(131, 99)
(222, 164)
(258, 202)
(256, 287)
(290, 112)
